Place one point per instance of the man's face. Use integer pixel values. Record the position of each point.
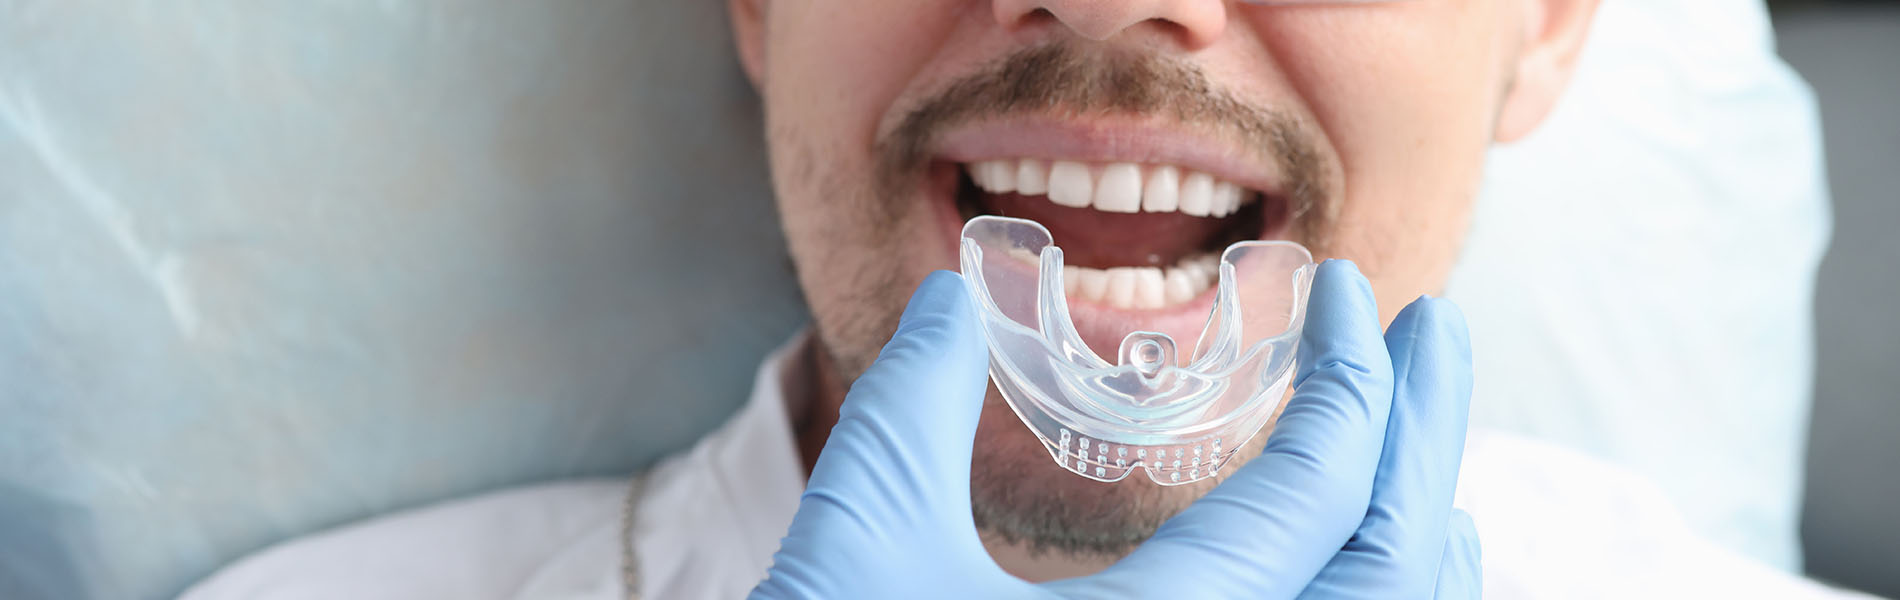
(1356, 130)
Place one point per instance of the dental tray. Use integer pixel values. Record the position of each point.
(1179, 417)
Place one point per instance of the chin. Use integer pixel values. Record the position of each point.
(1021, 497)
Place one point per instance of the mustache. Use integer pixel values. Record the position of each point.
(1065, 76)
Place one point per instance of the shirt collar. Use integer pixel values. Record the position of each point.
(710, 518)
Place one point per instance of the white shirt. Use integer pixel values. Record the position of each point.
(1554, 524)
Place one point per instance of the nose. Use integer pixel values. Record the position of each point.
(1196, 23)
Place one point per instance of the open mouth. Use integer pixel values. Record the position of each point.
(1135, 236)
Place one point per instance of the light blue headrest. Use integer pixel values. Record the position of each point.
(267, 267)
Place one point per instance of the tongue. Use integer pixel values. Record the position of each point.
(1093, 238)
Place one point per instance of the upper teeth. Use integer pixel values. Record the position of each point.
(1112, 187)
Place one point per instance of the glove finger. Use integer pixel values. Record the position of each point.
(906, 428)
(895, 470)
(1461, 567)
(1269, 527)
(1395, 550)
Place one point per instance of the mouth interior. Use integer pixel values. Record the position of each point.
(1103, 240)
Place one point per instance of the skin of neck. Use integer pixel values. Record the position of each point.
(814, 391)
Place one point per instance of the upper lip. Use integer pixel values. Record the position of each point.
(1111, 138)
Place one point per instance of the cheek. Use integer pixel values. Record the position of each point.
(834, 68)
(832, 72)
(1406, 96)
(829, 72)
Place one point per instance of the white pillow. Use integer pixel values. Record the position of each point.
(1640, 270)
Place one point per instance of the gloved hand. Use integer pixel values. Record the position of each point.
(1350, 498)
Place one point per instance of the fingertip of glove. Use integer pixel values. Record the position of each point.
(1345, 293)
(1339, 271)
(1446, 314)
(1461, 532)
(1462, 520)
(941, 302)
(1438, 319)
(1342, 321)
(941, 316)
(941, 292)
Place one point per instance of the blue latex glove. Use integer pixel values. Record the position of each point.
(1350, 498)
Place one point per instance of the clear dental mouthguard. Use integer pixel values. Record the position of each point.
(1180, 419)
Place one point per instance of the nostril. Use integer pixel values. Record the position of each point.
(1038, 18)
(1019, 14)
(1192, 24)
(1091, 19)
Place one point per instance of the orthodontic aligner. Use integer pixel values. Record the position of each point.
(1178, 422)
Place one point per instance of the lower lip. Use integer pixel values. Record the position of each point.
(1101, 326)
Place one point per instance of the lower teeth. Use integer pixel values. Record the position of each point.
(1143, 288)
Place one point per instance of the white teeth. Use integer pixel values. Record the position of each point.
(1070, 184)
(1226, 199)
(1149, 292)
(1091, 284)
(1003, 175)
(1032, 177)
(1141, 288)
(1119, 189)
(1207, 268)
(979, 175)
(1162, 194)
(1114, 187)
(994, 176)
(1121, 287)
(1181, 285)
(1197, 194)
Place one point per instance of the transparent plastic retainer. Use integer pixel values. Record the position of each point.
(1178, 419)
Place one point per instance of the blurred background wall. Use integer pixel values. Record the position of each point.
(1850, 53)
